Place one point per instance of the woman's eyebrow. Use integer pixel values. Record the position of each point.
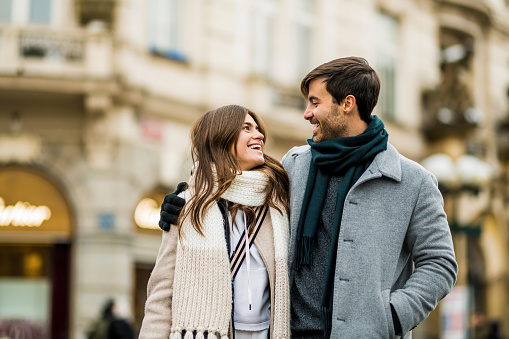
(251, 125)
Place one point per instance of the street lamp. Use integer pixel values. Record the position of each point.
(467, 175)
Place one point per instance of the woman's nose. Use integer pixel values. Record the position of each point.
(259, 135)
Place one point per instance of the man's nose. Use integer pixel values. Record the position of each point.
(308, 113)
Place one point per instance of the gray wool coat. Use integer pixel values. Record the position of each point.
(395, 245)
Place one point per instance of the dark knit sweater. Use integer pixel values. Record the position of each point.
(307, 288)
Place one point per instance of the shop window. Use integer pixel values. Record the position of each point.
(25, 286)
(167, 29)
(5, 11)
(34, 288)
(387, 55)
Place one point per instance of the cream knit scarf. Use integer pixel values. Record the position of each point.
(202, 290)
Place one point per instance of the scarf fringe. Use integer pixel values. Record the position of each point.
(326, 315)
(304, 252)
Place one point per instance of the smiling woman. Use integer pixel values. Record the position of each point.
(250, 145)
(236, 210)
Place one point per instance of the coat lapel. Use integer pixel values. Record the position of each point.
(299, 178)
(386, 163)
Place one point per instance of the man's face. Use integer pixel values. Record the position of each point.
(327, 117)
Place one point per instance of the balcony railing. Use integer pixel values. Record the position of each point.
(57, 53)
(35, 45)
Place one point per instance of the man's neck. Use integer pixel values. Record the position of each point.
(357, 127)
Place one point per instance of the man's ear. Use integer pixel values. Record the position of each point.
(349, 103)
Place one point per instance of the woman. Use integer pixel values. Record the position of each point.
(235, 188)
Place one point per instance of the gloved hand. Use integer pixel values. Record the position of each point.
(171, 207)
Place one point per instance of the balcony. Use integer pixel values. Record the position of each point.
(440, 122)
(449, 109)
(480, 9)
(60, 54)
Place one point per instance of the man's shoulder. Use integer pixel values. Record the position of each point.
(411, 168)
(296, 151)
(290, 157)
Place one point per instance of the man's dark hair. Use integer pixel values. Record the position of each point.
(345, 76)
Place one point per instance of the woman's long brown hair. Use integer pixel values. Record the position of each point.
(214, 137)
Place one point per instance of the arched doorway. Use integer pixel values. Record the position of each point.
(35, 240)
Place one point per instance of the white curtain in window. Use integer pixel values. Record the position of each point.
(302, 16)
(262, 40)
(166, 25)
(301, 49)
(40, 11)
(387, 51)
(5, 11)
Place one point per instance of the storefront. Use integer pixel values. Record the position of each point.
(35, 246)
(146, 218)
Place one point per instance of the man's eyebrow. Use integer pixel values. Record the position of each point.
(311, 98)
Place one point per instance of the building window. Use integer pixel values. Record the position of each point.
(262, 27)
(40, 11)
(387, 54)
(5, 11)
(302, 18)
(26, 11)
(166, 28)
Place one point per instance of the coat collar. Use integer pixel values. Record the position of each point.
(386, 163)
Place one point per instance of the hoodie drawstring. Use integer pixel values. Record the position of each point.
(248, 263)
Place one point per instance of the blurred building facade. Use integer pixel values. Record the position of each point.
(97, 98)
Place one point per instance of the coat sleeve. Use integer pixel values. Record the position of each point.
(157, 321)
(430, 243)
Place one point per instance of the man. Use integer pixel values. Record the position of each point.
(371, 252)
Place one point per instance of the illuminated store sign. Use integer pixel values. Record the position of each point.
(23, 214)
(146, 214)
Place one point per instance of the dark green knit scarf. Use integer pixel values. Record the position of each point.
(348, 157)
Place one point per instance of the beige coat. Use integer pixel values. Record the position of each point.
(157, 320)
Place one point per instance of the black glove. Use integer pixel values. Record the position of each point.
(171, 207)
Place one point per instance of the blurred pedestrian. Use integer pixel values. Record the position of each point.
(110, 324)
(493, 330)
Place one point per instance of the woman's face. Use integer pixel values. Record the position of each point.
(250, 145)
